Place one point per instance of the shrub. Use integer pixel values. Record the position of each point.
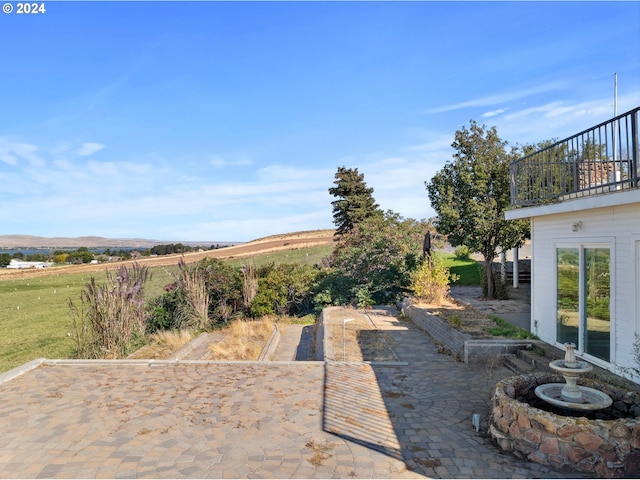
(378, 255)
(162, 311)
(430, 281)
(110, 317)
(249, 284)
(210, 291)
(5, 259)
(224, 284)
(284, 289)
(461, 252)
(331, 288)
(455, 320)
(363, 298)
(193, 312)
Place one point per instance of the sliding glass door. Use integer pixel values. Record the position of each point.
(597, 293)
(568, 295)
(583, 299)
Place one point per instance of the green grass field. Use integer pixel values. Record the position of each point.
(308, 256)
(35, 319)
(34, 314)
(467, 270)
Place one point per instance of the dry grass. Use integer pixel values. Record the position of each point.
(245, 340)
(429, 462)
(320, 452)
(462, 317)
(361, 341)
(494, 361)
(376, 345)
(108, 317)
(192, 278)
(163, 344)
(275, 243)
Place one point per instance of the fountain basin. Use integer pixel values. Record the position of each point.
(608, 448)
(588, 398)
(578, 368)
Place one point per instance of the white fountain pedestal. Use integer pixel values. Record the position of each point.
(570, 395)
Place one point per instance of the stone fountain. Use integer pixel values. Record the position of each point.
(570, 395)
(593, 427)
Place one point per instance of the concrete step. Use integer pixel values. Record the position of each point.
(517, 364)
(540, 357)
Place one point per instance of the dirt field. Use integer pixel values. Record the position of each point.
(274, 243)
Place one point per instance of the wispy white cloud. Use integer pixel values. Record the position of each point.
(220, 162)
(399, 180)
(493, 113)
(11, 152)
(500, 98)
(279, 197)
(435, 145)
(68, 194)
(8, 157)
(122, 198)
(555, 119)
(301, 175)
(87, 149)
(103, 168)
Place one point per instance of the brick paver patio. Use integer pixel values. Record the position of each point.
(197, 419)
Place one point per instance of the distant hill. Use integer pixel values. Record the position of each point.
(273, 243)
(31, 241)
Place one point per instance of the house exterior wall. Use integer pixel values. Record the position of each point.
(617, 227)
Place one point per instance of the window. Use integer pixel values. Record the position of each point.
(583, 298)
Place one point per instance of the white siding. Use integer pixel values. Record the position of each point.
(618, 226)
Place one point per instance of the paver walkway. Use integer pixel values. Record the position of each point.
(256, 420)
(421, 411)
(516, 310)
(296, 343)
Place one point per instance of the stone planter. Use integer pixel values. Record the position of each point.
(607, 448)
(460, 344)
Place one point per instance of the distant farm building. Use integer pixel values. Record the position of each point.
(20, 264)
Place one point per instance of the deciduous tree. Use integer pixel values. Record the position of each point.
(80, 256)
(471, 193)
(5, 259)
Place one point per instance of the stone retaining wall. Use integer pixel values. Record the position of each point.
(462, 345)
(451, 338)
(607, 448)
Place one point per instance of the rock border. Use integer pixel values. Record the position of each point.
(607, 448)
(271, 346)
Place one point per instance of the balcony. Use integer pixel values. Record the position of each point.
(597, 161)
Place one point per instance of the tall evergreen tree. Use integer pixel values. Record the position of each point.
(355, 201)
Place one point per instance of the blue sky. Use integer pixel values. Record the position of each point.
(226, 121)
